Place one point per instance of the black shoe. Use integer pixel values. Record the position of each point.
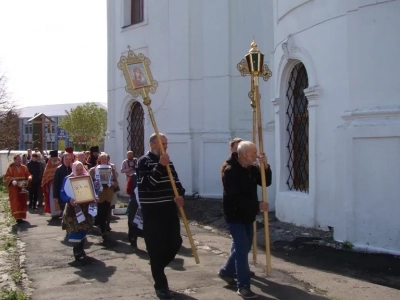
(246, 293)
(229, 280)
(78, 253)
(134, 243)
(165, 294)
(108, 228)
(252, 274)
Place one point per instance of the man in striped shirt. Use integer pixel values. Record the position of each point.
(160, 215)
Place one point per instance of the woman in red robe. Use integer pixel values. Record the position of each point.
(17, 195)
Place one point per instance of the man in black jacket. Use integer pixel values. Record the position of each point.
(240, 177)
(36, 170)
(160, 215)
(62, 171)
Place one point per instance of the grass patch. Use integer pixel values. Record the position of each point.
(16, 276)
(3, 189)
(346, 245)
(9, 242)
(8, 294)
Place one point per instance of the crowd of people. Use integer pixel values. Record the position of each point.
(152, 211)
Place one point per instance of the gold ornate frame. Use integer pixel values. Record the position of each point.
(127, 63)
(83, 189)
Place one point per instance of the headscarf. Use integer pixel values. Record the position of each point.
(74, 165)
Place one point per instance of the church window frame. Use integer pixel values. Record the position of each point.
(297, 128)
(135, 129)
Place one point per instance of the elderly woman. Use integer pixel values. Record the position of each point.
(105, 180)
(76, 224)
(17, 174)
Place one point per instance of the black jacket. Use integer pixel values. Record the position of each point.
(240, 198)
(36, 170)
(61, 172)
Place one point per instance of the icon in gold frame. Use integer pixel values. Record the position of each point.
(82, 188)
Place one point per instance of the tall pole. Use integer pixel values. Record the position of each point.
(263, 179)
(126, 64)
(253, 65)
(147, 102)
(254, 134)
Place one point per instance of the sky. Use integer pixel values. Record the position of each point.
(54, 51)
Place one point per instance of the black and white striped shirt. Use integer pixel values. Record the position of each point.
(154, 185)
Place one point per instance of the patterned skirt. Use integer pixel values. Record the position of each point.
(76, 231)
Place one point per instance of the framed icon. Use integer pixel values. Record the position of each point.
(138, 77)
(82, 188)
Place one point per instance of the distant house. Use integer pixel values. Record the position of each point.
(31, 135)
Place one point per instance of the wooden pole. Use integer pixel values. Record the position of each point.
(263, 179)
(253, 106)
(147, 102)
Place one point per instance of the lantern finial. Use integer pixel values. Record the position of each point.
(254, 47)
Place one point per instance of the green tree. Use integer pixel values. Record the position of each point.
(86, 125)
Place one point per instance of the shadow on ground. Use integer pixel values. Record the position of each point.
(306, 250)
(92, 268)
(282, 292)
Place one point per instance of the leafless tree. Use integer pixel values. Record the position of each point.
(9, 124)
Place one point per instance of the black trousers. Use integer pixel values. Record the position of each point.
(133, 231)
(102, 214)
(33, 194)
(162, 235)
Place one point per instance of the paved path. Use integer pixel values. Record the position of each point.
(115, 272)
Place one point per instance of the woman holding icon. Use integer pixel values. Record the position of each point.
(77, 218)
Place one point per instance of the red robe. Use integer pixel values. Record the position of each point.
(52, 207)
(18, 199)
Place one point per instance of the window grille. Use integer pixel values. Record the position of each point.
(136, 130)
(297, 128)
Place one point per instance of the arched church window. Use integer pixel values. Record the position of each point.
(297, 128)
(136, 129)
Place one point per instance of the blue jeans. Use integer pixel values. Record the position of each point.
(242, 234)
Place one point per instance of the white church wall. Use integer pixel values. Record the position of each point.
(351, 113)
(367, 188)
(373, 64)
(201, 102)
(169, 67)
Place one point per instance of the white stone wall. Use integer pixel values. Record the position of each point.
(350, 54)
(6, 158)
(349, 49)
(201, 101)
